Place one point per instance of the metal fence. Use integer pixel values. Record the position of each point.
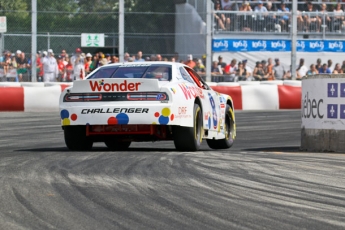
(317, 23)
(147, 29)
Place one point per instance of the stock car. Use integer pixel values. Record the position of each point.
(146, 101)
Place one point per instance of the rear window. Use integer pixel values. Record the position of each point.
(160, 72)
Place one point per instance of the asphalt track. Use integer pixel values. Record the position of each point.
(262, 182)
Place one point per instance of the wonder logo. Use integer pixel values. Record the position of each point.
(113, 87)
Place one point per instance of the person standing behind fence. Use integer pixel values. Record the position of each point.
(7, 62)
(190, 61)
(231, 70)
(88, 63)
(50, 67)
(22, 63)
(78, 65)
(249, 71)
(39, 67)
(279, 70)
(69, 70)
(62, 69)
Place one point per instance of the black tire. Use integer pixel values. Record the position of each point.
(228, 141)
(115, 145)
(76, 139)
(189, 138)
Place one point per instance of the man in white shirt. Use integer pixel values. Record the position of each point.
(77, 61)
(302, 69)
(50, 67)
(226, 4)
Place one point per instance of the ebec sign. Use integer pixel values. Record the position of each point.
(323, 103)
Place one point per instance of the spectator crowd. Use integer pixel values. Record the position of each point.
(268, 70)
(65, 68)
(274, 15)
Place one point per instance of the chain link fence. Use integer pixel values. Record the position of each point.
(149, 27)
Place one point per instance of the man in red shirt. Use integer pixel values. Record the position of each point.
(190, 61)
(231, 68)
(62, 69)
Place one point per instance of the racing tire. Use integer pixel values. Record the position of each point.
(117, 145)
(228, 141)
(76, 139)
(189, 138)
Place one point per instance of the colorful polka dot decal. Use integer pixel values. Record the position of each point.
(164, 117)
(74, 117)
(120, 119)
(66, 117)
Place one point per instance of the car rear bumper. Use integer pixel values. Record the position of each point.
(120, 114)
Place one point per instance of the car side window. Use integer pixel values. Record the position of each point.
(185, 75)
(197, 79)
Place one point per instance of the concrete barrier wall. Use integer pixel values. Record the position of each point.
(31, 98)
(323, 113)
(246, 96)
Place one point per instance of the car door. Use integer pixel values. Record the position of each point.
(210, 102)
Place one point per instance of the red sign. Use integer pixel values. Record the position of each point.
(114, 87)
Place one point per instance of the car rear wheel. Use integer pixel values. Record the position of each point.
(189, 138)
(115, 145)
(228, 141)
(76, 139)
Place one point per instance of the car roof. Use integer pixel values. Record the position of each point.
(146, 63)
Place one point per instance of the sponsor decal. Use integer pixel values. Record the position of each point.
(173, 90)
(115, 110)
(342, 111)
(278, 44)
(214, 112)
(316, 45)
(135, 65)
(114, 87)
(160, 96)
(224, 44)
(66, 117)
(332, 89)
(311, 107)
(208, 119)
(300, 45)
(335, 45)
(332, 111)
(182, 113)
(241, 44)
(191, 92)
(164, 116)
(120, 119)
(182, 110)
(342, 89)
(260, 44)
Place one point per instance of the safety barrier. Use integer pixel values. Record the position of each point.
(323, 113)
(246, 95)
(30, 97)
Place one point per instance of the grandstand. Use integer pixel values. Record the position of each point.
(255, 35)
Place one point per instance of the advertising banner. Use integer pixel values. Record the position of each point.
(251, 45)
(323, 103)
